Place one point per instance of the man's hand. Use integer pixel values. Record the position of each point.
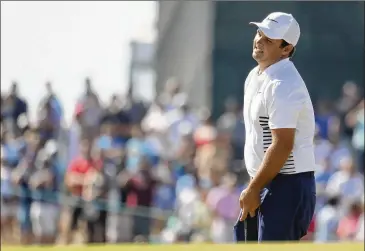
(90, 178)
(16, 178)
(75, 179)
(249, 202)
(48, 181)
(88, 194)
(34, 183)
(123, 178)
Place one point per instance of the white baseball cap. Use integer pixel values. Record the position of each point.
(279, 25)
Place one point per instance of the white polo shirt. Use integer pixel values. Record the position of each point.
(278, 98)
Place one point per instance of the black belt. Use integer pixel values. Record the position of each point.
(304, 174)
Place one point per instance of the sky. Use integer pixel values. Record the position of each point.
(63, 42)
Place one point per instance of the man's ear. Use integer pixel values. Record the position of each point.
(288, 49)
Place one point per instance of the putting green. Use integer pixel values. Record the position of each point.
(202, 247)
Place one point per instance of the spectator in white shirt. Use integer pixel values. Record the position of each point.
(327, 221)
(347, 183)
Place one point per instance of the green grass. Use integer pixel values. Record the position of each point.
(202, 247)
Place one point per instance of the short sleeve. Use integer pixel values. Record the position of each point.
(284, 103)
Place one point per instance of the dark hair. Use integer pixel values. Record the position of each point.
(333, 201)
(284, 44)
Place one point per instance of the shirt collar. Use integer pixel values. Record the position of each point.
(274, 67)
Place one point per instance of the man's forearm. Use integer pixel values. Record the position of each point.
(274, 159)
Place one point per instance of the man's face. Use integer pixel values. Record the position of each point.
(49, 88)
(172, 86)
(88, 86)
(350, 89)
(347, 165)
(268, 51)
(107, 129)
(14, 89)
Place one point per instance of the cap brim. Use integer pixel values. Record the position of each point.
(270, 33)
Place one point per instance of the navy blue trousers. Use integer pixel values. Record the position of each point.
(286, 210)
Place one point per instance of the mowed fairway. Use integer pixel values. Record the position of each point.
(201, 247)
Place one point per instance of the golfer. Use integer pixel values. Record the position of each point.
(279, 150)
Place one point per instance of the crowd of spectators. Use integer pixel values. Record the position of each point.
(164, 172)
